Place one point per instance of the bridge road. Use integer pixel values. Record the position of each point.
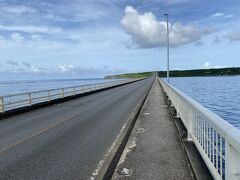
(66, 140)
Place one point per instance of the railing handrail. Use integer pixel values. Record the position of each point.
(222, 125)
(15, 101)
(208, 131)
(54, 89)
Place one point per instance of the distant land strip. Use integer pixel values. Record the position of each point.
(232, 71)
(129, 75)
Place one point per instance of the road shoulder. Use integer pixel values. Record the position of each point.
(153, 150)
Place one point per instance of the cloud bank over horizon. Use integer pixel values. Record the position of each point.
(97, 37)
(25, 68)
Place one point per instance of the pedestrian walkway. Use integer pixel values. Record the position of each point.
(154, 150)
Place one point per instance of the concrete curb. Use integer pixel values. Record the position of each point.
(115, 173)
(196, 163)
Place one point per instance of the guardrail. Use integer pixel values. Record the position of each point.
(217, 141)
(15, 101)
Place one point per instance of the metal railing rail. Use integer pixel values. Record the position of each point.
(217, 141)
(14, 101)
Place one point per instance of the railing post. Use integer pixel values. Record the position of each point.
(82, 89)
(62, 92)
(49, 95)
(176, 105)
(74, 91)
(1, 105)
(232, 159)
(29, 99)
(190, 124)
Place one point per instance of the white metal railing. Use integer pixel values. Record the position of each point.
(10, 102)
(217, 141)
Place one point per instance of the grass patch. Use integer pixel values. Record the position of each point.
(129, 75)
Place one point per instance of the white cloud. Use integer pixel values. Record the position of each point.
(30, 70)
(62, 69)
(34, 69)
(172, 2)
(88, 11)
(51, 46)
(78, 70)
(17, 9)
(22, 68)
(220, 14)
(217, 67)
(206, 64)
(233, 36)
(32, 29)
(33, 45)
(147, 32)
(17, 37)
(65, 68)
(36, 37)
(79, 11)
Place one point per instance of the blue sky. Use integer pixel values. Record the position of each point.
(94, 38)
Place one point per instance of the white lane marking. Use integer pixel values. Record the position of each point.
(96, 171)
(130, 146)
(102, 161)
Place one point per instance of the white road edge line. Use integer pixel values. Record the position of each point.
(101, 162)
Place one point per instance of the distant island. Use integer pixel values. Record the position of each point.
(129, 75)
(202, 72)
(233, 71)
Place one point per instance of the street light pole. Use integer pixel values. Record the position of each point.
(167, 48)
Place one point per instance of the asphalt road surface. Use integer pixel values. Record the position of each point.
(66, 140)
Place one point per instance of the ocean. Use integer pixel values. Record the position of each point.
(219, 94)
(22, 86)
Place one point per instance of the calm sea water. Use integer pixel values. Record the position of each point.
(219, 94)
(15, 87)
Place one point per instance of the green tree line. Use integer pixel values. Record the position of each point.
(202, 72)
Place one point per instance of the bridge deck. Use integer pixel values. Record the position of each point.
(154, 150)
(69, 139)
